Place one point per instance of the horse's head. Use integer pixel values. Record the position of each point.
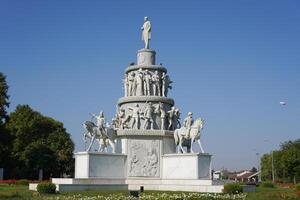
(199, 123)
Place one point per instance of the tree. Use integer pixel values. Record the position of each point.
(286, 163)
(5, 139)
(38, 142)
(4, 104)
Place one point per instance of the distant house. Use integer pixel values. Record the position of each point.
(245, 176)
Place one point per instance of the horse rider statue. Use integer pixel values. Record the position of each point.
(187, 123)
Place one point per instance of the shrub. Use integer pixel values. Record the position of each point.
(22, 182)
(297, 187)
(232, 188)
(46, 188)
(267, 184)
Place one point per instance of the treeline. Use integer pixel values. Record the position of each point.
(30, 141)
(286, 163)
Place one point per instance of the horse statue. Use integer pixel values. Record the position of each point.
(181, 139)
(104, 138)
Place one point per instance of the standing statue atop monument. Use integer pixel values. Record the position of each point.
(146, 32)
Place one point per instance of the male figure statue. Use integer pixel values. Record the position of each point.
(166, 84)
(131, 84)
(139, 82)
(135, 116)
(162, 115)
(100, 123)
(147, 82)
(156, 84)
(126, 85)
(146, 32)
(171, 115)
(187, 123)
(148, 116)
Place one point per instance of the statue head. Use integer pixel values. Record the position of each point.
(101, 114)
(190, 114)
(145, 18)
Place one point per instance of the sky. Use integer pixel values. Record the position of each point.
(232, 62)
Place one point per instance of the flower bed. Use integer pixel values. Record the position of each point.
(156, 196)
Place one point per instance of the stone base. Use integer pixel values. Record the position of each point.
(99, 165)
(187, 166)
(71, 184)
(185, 185)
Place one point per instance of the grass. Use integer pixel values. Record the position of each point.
(21, 192)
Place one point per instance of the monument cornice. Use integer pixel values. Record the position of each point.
(136, 99)
(149, 67)
(133, 132)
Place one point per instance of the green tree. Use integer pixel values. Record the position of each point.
(5, 139)
(3, 98)
(286, 163)
(39, 142)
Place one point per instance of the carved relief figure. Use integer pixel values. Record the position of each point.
(171, 114)
(139, 83)
(126, 86)
(148, 115)
(166, 84)
(131, 84)
(123, 119)
(135, 124)
(177, 118)
(160, 110)
(156, 84)
(147, 83)
(146, 32)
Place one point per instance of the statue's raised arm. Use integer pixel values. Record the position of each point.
(146, 32)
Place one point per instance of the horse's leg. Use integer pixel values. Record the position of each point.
(91, 143)
(113, 145)
(191, 147)
(180, 144)
(199, 142)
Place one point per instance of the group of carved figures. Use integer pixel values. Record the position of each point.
(169, 120)
(146, 83)
(106, 135)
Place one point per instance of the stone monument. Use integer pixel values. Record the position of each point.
(143, 135)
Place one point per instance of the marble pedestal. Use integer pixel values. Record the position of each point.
(99, 165)
(187, 166)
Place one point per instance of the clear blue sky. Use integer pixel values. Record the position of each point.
(231, 61)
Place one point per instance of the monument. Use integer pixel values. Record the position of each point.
(146, 138)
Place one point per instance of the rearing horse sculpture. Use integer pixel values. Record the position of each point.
(181, 139)
(93, 133)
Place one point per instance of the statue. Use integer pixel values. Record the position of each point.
(162, 112)
(139, 82)
(100, 122)
(187, 123)
(122, 119)
(156, 84)
(93, 133)
(177, 118)
(194, 134)
(126, 85)
(148, 114)
(147, 83)
(131, 84)
(146, 32)
(171, 115)
(135, 124)
(166, 84)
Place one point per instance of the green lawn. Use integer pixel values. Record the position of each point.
(19, 192)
